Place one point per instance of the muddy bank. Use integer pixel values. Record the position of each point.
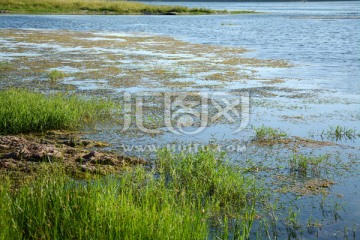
(25, 153)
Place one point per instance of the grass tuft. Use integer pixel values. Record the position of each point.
(22, 111)
(338, 133)
(206, 175)
(56, 75)
(264, 133)
(303, 164)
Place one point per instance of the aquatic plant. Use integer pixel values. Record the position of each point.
(205, 175)
(302, 163)
(292, 223)
(22, 111)
(184, 197)
(264, 133)
(313, 225)
(56, 75)
(340, 133)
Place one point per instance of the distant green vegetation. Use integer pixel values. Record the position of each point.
(97, 7)
(186, 197)
(22, 111)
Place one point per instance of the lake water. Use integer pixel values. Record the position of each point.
(322, 37)
(321, 40)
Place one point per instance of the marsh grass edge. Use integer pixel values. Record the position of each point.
(183, 197)
(23, 111)
(101, 7)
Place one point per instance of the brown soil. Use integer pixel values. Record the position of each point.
(25, 153)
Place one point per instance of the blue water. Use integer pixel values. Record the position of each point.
(322, 38)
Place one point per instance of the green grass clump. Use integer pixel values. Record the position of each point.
(205, 175)
(56, 75)
(94, 7)
(264, 133)
(57, 207)
(186, 197)
(303, 164)
(219, 188)
(22, 111)
(340, 133)
(5, 66)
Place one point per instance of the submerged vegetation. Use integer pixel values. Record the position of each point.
(184, 197)
(98, 7)
(22, 111)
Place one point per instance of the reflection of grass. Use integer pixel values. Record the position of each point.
(185, 197)
(293, 223)
(228, 24)
(95, 7)
(23, 111)
(242, 11)
(313, 225)
(340, 133)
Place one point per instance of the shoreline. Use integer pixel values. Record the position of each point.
(129, 14)
(103, 7)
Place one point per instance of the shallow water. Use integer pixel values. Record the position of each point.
(320, 37)
(322, 90)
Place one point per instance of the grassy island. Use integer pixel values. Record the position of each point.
(99, 7)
